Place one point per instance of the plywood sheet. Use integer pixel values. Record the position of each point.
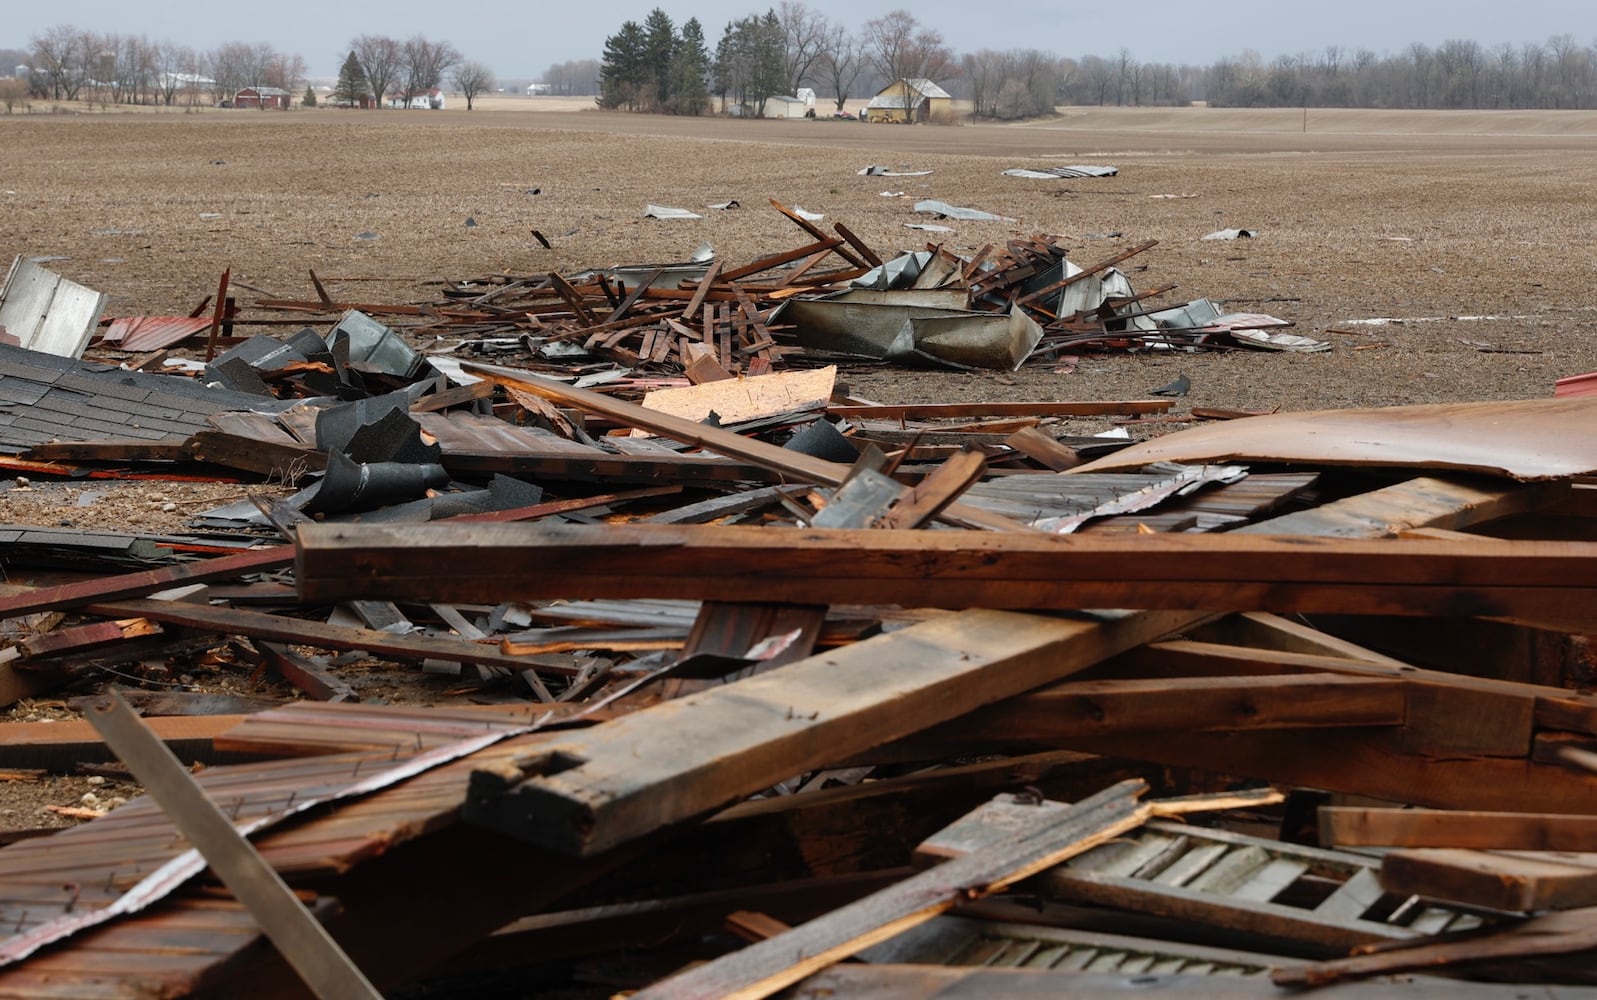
(737, 400)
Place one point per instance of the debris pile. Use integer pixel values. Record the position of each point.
(729, 679)
(995, 308)
(754, 661)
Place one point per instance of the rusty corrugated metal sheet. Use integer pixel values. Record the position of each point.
(151, 333)
(1576, 385)
(1523, 439)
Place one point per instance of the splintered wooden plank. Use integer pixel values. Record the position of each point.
(1222, 572)
(1572, 933)
(932, 495)
(763, 968)
(1044, 449)
(611, 784)
(1349, 826)
(238, 621)
(785, 461)
(113, 588)
(1499, 880)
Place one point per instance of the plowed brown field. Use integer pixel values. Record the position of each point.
(1433, 219)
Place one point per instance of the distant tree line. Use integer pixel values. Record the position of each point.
(1560, 73)
(654, 67)
(66, 63)
(659, 66)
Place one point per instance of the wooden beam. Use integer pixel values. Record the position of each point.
(59, 746)
(1370, 762)
(1500, 880)
(1349, 826)
(594, 789)
(1168, 705)
(1220, 572)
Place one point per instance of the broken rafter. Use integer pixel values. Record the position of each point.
(815, 231)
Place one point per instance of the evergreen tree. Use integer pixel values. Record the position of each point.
(624, 70)
(352, 87)
(690, 64)
(661, 45)
(724, 69)
(309, 100)
(749, 60)
(770, 58)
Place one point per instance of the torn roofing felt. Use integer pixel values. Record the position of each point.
(1523, 439)
(47, 398)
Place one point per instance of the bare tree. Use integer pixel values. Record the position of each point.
(282, 70)
(236, 65)
(425, 64)
(13, 91)
(804, 34)
(901, 50)
(61, 58)
(578, 78)
(382, 59)
(840, 61)
(983, 72)
(471, 79)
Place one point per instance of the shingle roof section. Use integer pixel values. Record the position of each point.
(49, 398)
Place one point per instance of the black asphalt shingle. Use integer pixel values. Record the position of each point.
(63, 399)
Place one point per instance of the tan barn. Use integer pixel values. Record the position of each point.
(914, 100)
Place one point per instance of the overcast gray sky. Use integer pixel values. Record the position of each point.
(519, 40)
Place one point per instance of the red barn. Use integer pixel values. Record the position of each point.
(262, 97)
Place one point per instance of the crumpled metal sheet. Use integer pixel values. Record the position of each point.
(943, 210)
(1524, 439)
(652, 211)
(46, 312)
(913, 334)
(1060, 173)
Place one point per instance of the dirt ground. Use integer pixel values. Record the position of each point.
(1466, 230)
(1443, 254)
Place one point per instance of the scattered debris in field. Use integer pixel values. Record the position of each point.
(1061, 173)
(943, 210)
(652, 211)
(1232, 234)
(875, 170)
